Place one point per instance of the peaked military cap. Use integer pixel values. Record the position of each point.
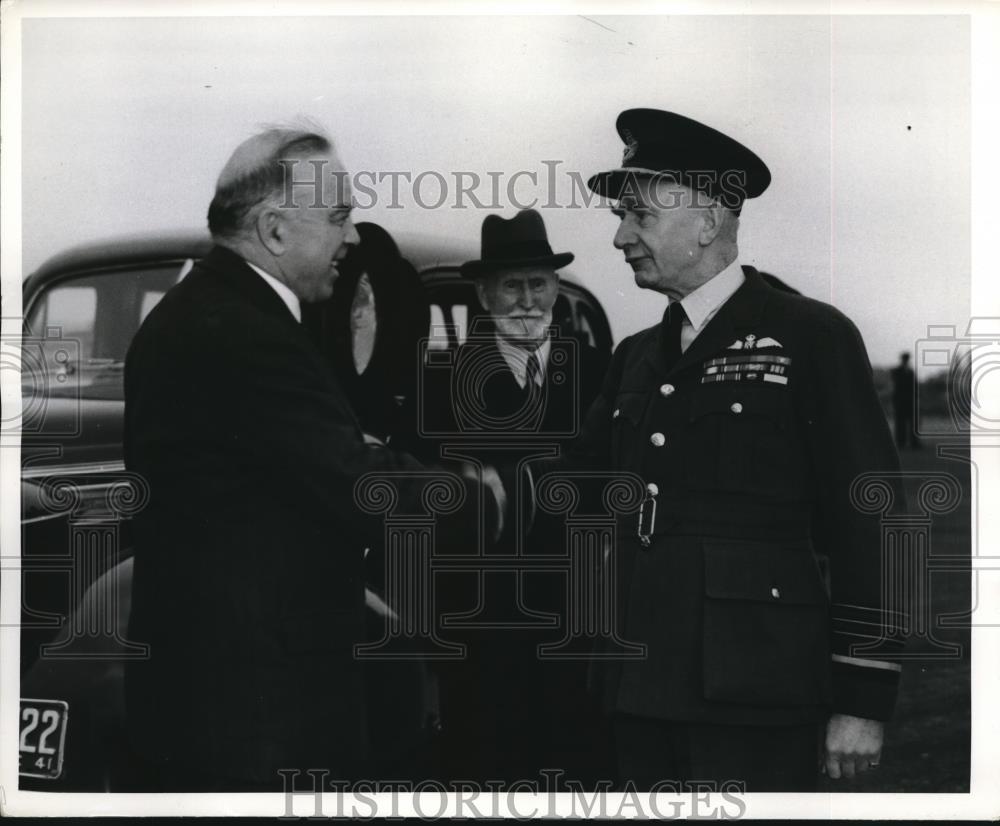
(666, 144)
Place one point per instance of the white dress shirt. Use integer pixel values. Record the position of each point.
(705, 302)
(284, 292)
(517, 360)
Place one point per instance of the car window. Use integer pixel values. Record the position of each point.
(149, 300)
(73, 308)
(79, 328)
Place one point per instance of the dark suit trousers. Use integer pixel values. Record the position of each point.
(763, 758)
(143, 775)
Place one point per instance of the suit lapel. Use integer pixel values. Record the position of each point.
(228, 269)
(237, 275)
(503, 391)
(557, 399)
(504, 396)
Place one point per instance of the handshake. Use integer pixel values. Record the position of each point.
(490, 480)
(486, 475)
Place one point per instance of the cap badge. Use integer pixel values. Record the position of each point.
(631, 147)
(751, 342)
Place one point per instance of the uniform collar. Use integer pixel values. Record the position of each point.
(284, 292)
(703, 303)
(741, 310)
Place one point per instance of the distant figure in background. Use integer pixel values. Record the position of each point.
(903, 392)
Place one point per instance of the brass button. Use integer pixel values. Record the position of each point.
(658, 440)
(617, 413)
(666, 389)
(736, 407)
(776, 593)
(652, 489)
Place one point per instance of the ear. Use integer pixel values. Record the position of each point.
(271, 230)
(481, 293)
(713, 219)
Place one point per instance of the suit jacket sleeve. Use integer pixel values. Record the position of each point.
(292, 417)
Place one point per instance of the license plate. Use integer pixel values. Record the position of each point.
(43, 737)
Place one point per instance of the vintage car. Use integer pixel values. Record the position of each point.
(81, 310)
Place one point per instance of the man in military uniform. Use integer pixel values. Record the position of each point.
(749, 576)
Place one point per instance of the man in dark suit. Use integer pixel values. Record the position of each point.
(519, 387)
(527, 375)
(750, 413)
(248, 582)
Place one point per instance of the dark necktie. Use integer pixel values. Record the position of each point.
(672, 335)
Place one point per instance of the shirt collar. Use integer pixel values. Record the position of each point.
(517, 358)
(284, 292)
(704, 302)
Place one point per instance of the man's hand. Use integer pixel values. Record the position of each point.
(853, 745)
(491, 481)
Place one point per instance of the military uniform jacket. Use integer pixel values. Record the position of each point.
(761, 577)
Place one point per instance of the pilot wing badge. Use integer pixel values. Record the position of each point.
(767, 341)
(751, 342)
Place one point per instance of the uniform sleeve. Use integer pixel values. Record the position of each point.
(590, 451)
(849, 436)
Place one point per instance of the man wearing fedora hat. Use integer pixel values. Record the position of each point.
(517, 285)
(522, 388)
(751, 575)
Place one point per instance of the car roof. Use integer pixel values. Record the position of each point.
(422, 250)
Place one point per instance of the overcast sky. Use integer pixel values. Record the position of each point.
(864, 122)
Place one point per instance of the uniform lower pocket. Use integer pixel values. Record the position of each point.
(766, 625)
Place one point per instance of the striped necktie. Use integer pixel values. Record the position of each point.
(532, 371)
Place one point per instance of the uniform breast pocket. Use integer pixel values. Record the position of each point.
(766, 625)
(626, 417)
(741, 439)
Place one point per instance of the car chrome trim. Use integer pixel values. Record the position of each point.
(79, 469)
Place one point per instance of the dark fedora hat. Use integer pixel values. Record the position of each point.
(668, 145)
(518, 242)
